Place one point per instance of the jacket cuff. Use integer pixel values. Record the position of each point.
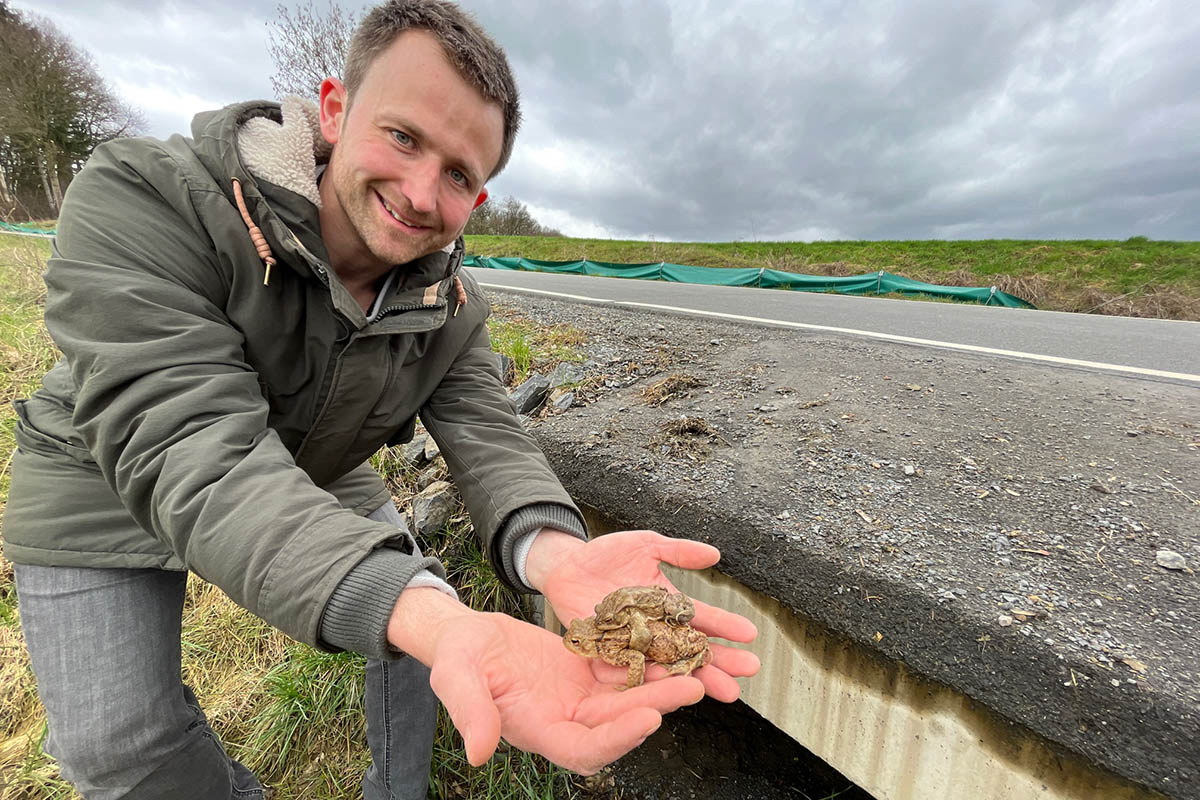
(528, 520)
(357, 613)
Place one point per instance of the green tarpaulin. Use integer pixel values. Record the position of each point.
(872, 283)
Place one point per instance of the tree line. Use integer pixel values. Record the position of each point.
(55, 109)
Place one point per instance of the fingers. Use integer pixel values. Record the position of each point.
(718, 677)
(734, 661)
(587, 750)
(664, 696)
(684, 553)
(464, 693)
(723, 624)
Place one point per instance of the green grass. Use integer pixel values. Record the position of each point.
(532, 347)
(1137, 276)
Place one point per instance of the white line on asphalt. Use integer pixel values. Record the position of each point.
(1075, 362)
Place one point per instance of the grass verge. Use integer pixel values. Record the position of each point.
(292, 714)
(1136, 277)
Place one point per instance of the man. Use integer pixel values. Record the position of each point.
(245, 317)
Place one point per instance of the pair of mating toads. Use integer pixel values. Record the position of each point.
(639, 624)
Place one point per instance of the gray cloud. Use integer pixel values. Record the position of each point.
(682, 119)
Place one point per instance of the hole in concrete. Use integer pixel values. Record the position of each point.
(726, 751)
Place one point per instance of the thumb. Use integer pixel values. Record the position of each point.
(468, 701)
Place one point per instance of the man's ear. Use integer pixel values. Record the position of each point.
(483, 196)
(333, 108)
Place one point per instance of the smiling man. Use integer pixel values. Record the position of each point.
(246, 316)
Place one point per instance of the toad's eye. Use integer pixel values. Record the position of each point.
(402, 137)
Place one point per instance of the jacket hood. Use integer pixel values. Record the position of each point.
(272, 151)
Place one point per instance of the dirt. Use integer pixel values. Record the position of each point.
(723, 751)
(998, 522)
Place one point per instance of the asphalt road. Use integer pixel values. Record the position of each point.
(1147, 348)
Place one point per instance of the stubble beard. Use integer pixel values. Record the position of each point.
(386, 243)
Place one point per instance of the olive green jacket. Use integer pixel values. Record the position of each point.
(202, 419)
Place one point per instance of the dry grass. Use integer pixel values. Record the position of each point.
(675, 385)
(687, 437)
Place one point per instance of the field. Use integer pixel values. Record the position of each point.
(1136, 277)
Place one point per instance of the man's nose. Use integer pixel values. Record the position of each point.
(421, 186)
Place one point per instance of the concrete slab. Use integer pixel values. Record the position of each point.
(985, 525)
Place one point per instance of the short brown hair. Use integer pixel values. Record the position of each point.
(476, 56)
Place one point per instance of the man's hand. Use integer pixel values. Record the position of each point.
(575, 575)
(498, 676)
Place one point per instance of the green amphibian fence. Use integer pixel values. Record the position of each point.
(872, 283)
(25, 230)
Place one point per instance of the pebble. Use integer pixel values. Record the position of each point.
(1005, 620)
(910, 470)
(1169, 559)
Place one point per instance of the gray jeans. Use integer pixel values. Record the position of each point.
(105, 648)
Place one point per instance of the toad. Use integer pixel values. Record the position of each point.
(633, 605)
(679, 648)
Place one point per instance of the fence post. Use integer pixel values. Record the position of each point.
(879, 282)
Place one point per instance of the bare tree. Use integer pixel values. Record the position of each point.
(507, 217)
(308, 46)
(55, 109)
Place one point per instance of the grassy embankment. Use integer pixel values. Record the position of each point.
(291, 713)
(1136, 277)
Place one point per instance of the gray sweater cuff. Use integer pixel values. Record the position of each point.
(357, 614)
(527, 520)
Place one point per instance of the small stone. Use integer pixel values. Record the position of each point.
(564, 401)
(506, 367)
(714, 341)
(432, 450)
(565, 373)
(910, 470)
(433, 507)
(1169, 559)
(414, 452)
(1131, 433)
(428, 476)
(1005, 620)
(531, 394)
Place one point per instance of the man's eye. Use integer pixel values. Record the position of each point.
(402, 137)
(458, 177)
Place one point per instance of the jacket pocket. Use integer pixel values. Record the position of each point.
(37, 439)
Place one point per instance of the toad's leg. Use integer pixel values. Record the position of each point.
(639, 632)
(684, 666)
(636, 661)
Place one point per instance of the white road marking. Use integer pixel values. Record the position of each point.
(1074, 362)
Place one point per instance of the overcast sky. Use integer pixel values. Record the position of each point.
(698, 120)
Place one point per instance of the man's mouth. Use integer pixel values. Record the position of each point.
(396, 215)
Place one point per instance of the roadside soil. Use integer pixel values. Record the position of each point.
(994, 524)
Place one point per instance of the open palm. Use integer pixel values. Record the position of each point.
(632, 558)
(498, 676)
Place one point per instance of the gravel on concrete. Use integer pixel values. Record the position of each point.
(997, 525)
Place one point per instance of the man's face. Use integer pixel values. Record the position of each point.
(410, 156)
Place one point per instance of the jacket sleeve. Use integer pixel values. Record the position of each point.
(497, 465)
(168, 406)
